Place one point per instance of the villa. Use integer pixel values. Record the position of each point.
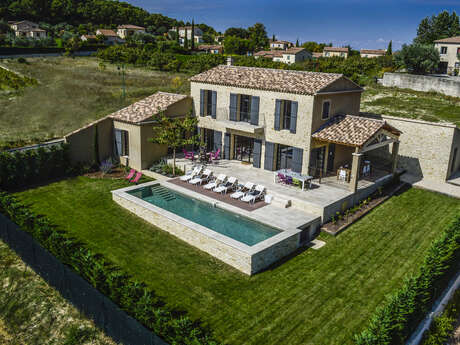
(110, 36)
(124, 31)
(289, 56)
(187, 30)
(26, 28)
(372, 53)
(283, 45)
(449, 50)
(336, 51)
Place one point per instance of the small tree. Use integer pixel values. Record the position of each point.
(175, 132)
(418, 58)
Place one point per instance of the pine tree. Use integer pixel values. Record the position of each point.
(192, 45)
(390, 48)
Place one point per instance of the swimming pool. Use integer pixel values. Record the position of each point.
(224, 222)
(237, 237)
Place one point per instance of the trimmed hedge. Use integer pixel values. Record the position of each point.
(443, 326)
(395, 321)
(132, 296)
(22, 168)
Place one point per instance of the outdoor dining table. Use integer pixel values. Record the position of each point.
(294, 175)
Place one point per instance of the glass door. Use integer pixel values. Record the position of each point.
(284, 157)
(243, 148)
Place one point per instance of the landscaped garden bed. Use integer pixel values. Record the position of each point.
(341, 221)
(317, 297)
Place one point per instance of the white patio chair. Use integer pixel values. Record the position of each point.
(221, 178)
(192, 174)
(231, 184)
(257, 194)
(248, 187)
(207, 174)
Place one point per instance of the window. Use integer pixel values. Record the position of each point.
(122, 142)
(208, 100)
(327, 54)
(286, 107)
(326, 110)
(245, 108)
(443, 50)
(284, 157)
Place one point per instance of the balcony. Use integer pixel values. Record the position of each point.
(244, 124)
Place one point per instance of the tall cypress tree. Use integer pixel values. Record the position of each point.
(390, 48)
(273, 38)
(193, 35)
(186, 39)
(297, 43)
(177, 36)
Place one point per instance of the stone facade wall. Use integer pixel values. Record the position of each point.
(451, 56)
(81, 141)
(447, 86)
(426, 149)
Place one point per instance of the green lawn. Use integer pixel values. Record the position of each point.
(427, 106)
(316, 297)
(72, 93)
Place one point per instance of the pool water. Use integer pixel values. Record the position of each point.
(226, 223)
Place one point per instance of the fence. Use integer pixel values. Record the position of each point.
(106, 315)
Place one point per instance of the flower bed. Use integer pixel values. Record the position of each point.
(341, 221)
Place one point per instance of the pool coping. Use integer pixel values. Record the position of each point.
(249, 250)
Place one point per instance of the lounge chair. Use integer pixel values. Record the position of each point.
(257, 194)
(191, 174)
(248, 187)
(220, 179)
(136, 178)
(231, 184)
(130, 174)
(207, 174)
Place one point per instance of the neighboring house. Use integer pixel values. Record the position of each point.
(372, 53)
(280, 45)
(27, 29)
(110, 36)
(89, 38)
(125, 134)
(198, 34)
(282, 119)
(288, 56)
(335, 51)
(211, 49)
(449, 49)
(124, 31)
(219, 39)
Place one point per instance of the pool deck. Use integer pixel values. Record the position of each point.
(323, 199)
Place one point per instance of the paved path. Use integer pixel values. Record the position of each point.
(435, 186)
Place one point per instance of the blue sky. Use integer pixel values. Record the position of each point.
(360, 23)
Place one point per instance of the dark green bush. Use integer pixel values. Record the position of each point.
(132, 296)
(23, 168)
(401, 313)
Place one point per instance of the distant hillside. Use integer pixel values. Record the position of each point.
(77, 12)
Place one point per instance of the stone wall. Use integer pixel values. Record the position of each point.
(426, 149)
(447, 86)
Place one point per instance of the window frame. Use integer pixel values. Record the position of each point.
(248, 112)
(443, 50)
(285, 105)
(329, 109)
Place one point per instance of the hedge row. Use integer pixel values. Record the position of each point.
(443, 326)
(23, 168)
(395, 321)
(132, 296)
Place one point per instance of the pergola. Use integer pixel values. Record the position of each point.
(361, 133)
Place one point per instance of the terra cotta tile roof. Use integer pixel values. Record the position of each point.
(298, 82)
(373, 51)
(107, 33)
(129, 26)
(336, 49)
(147, 107)
(351, 130)
(455, 39)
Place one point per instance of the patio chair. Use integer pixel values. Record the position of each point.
(205, 177)
(192, 174)
(281, 178)
(248, 187)
(257, 194)
(225, 187)
(188, 154)
(130, 174)
(136, 178)
(289, 181)
(220, 179)
(214, 156)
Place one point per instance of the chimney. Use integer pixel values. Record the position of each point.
(230, 61)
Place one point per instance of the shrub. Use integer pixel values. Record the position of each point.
(133, 297)
(399, 316)
(23, 168)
